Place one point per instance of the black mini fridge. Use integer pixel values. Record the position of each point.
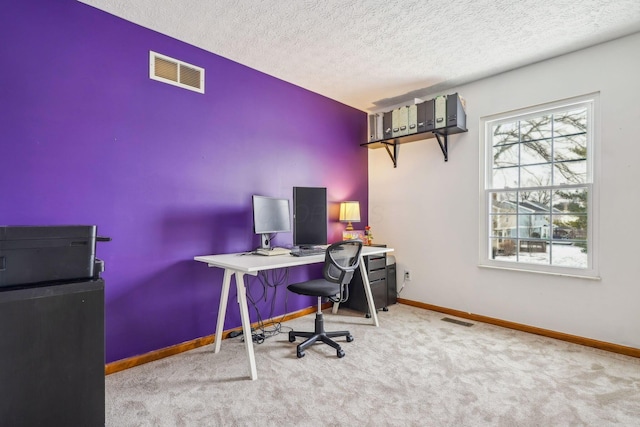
(51, 331)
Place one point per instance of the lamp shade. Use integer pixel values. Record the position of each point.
(349, 211)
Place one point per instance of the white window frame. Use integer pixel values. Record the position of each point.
(591, 101)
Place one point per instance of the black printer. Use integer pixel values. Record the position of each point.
(33, 255)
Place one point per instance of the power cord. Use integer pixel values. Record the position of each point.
(278, 278)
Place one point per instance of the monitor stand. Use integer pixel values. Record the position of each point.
(265, 241)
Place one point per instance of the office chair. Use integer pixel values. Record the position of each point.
(340, 261)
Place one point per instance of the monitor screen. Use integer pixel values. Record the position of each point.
(309, 216)
(270, 215)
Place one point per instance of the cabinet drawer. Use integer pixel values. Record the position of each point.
(376, 263)
(379, 292)
(377, 275)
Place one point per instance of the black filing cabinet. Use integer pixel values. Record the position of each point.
(377, 271)
(52, 358)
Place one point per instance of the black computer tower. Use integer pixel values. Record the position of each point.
(309, 216)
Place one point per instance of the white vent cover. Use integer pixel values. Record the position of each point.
(175, 72)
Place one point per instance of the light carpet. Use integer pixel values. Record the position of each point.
(414, 370)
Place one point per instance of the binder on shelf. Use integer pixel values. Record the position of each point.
(375, 127)
(403, 121)
(456, 115)
(395, 122)
(425, 113)
(379, 127)
(372, 127)
(440, 111)
(412, 119)
(387, 125)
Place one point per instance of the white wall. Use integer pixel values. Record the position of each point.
(428, 209)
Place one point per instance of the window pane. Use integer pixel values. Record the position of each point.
(570, 148)
(537, 128)
(568, 201)
(565, 254)
(534, 252)
(570, 227)
(533, 226)
(535, 176)
(505, 178)
(536, 152)
(535, 201)
(505, 133)
(505, 156)
(503, 202)
(503, 225)
(570, 122)
(503, 249)
(570, 173)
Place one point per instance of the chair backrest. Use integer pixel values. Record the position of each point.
(340, 262)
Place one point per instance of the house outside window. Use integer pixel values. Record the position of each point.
(538, 192)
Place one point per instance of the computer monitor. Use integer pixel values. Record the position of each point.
(309, 216)
(270, 216)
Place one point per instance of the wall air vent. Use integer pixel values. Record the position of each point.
(175, 72)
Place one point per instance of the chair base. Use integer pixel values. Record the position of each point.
(319, 334)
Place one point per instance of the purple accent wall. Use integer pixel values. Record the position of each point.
(88, 138)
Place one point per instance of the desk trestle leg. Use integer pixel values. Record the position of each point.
(246, 323)
(367, 291)
(222, 310)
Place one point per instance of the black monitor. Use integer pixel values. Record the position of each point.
(309, 216)
(270, 216)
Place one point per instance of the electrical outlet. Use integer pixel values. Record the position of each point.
(407, 275)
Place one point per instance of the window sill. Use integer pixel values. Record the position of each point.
(586, 275)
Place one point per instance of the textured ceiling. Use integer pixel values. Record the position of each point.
(372, 54)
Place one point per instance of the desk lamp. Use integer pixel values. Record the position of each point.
(349, 211)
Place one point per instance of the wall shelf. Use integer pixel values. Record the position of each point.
(436, 118)
(392, 144)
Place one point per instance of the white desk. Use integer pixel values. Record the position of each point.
(241, 264)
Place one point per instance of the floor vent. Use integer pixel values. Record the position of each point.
(456, 321)
(175, 72)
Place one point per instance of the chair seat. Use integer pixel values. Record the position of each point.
(316, 288)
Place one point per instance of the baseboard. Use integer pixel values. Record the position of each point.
(602, 345)
(121, 365)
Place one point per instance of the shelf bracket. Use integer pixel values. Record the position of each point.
(443, 145)
(394, 155)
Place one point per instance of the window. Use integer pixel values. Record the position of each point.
(538, 193)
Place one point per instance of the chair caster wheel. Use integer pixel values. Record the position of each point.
(368, 316)
(385, 309)
(349, 338)
(291, 337)
(340, 354)
(300, 354)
